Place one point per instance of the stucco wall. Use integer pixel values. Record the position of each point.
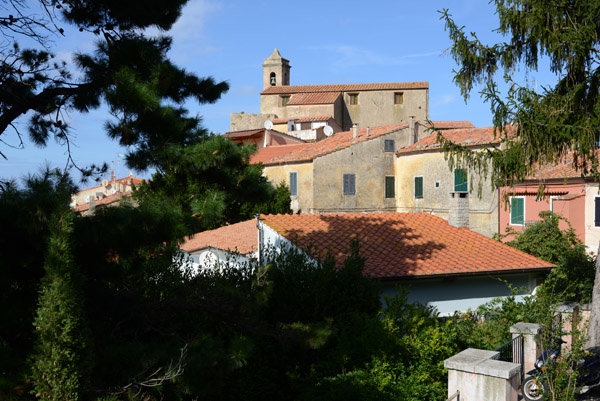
(592, 233)
(571, 209)
(483, 211)
(370, 164)
(303, 201)
(244, 121)
(460, 294)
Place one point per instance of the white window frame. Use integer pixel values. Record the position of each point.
(552, 202)
(524, 213)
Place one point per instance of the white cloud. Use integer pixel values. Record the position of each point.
(194, 15)
(443, 99)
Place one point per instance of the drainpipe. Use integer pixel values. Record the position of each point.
(260, 238)
(411, 130)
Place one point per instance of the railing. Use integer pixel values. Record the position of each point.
(454, 396)
(513, 352)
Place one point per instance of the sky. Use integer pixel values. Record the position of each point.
(326, 42)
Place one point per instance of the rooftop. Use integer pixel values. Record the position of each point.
(240, 237)
(284, 89)
(464, 136)
(313, 98)
(403, 245)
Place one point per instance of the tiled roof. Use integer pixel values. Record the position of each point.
(301, 119)
(452, 124)
(243, 134)
(104, 201)
(310, 151)
(403, 245)
(466, 137)
(241, 237)
(266, 154)
(343, 87)
(313, 98)
(563, 168)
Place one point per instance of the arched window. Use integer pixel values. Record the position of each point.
(273, 79)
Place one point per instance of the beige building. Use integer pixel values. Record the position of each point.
(366, 105)
(428, 185)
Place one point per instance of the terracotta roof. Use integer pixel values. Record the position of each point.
(243, 134)
(343, 87)
(104, 201)
(563, 168)
(403, 245)
(241, 237)
(466, 136)
(313, 98)
(268, 153)
(338, 141)
(301, 119)
(452, 124)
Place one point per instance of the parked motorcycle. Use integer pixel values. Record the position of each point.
(534, 387)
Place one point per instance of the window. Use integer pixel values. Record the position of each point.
(389, 145)
(390, 187)
(353, 98)
(517, 210)
(293, 183)
(418, 187)
(461, 180)
(597, 211)
(284, 100)
(273, 79)
(399, 98)
(349, 184)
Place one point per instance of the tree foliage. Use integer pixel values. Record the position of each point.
(546, 124)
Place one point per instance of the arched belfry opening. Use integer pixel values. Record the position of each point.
(273, 79)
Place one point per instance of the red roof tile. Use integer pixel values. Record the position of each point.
(452, 124)
(301, 119)
(266, 154)
(343, 87)
(403, 245)
(313, 98)
(308, 152)
(466, 137)
(107, 200)
(243, 134)
(563, 168)
(241, 237)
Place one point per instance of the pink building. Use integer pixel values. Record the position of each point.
(565, 193)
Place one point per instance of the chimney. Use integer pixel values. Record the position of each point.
(92, 205)
(267, 138)
(412, 131)
(112, 177)
(368, 131)
(354, 131)
(458, 216)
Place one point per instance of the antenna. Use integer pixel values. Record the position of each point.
(327, 130)
(268, 124)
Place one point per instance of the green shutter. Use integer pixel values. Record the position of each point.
(390, 184)
(461, 180)
(418, 187)
(517, 210)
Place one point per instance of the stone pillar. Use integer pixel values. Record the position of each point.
(569, 316)
(530, 333)
(478, 375)
(458, 215)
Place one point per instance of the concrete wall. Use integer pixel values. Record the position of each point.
(370, 164)
(304, 200)
(483, 212)
(461, 293)
(244, 121)
(571, 209)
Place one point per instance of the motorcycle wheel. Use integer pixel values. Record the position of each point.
(533, 389)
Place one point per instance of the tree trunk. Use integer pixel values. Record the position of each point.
(594, 329)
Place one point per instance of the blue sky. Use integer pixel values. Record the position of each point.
(327, 42)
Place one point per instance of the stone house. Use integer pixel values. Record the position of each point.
(450, 268)
(426, 184)
(366, 105)
(565, 192)
(349, 171)
(109, 193)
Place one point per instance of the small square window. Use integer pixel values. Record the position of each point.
(437, 184)
(349, 184)
(389, 145)
(390, 187)
(399, 98)
(294, 183)
(284, 100)
(353, 98)
(418, 187)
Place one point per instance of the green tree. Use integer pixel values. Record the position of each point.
(62, 356)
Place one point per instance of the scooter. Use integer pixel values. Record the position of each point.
(534, 386)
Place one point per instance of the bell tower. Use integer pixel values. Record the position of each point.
(276, 70)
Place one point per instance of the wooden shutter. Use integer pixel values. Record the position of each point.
(517, 210)
(461, 180)
(390, 187)
(418, 187)
(349, 184)
(293, 183)
(597, 212)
